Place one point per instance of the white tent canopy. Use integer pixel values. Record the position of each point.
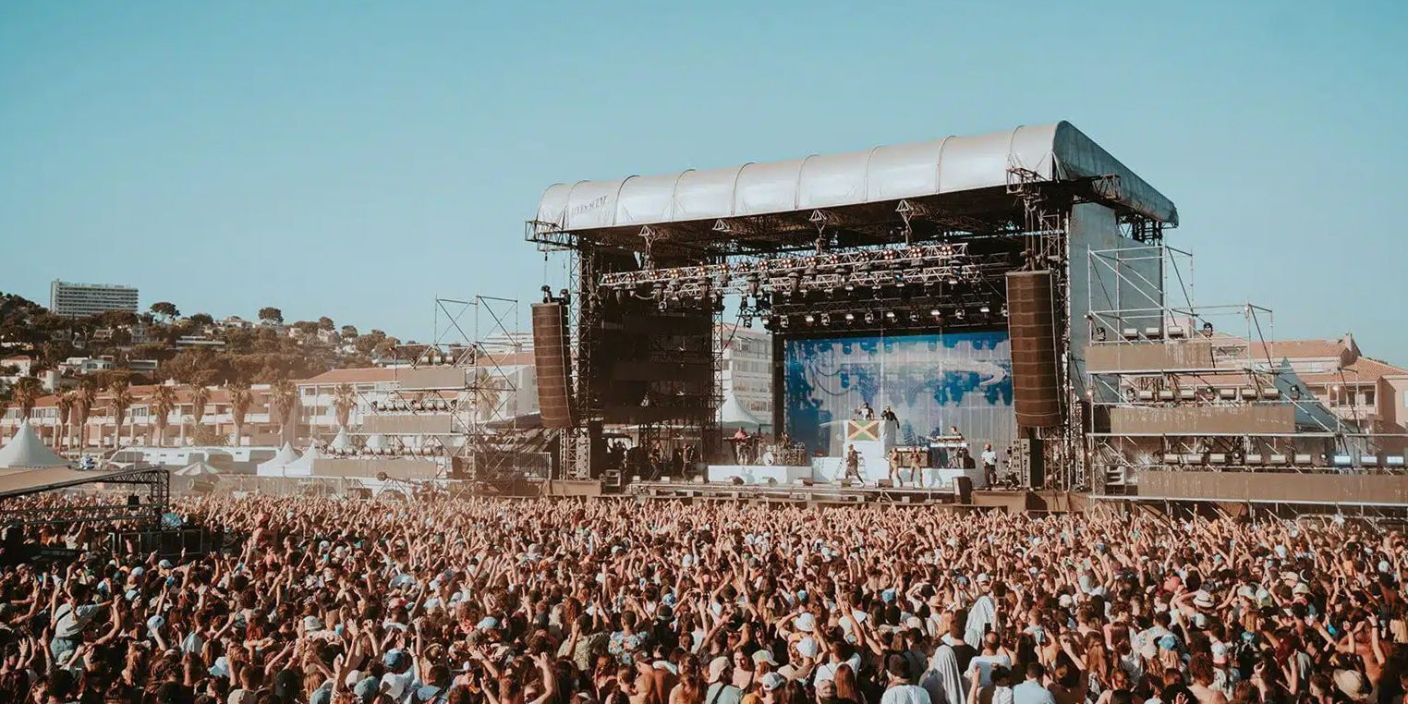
(26, 451)
(734, 415)
(1055, 152)
(303, 466)
(341, 442)
(274, 466)
(196, 469)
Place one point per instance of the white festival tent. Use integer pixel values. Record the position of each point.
(341, 442)
(26, 451)
(303, 466)
(734, 415)
(274, 467)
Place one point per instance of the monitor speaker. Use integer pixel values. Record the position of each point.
(550, 354)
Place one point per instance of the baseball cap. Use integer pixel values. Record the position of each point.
(773, 681)
(764, 655)
(717, 667)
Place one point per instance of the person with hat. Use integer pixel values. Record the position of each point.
(721, 689)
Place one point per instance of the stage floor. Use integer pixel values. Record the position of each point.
(797, 493)
(827, 470)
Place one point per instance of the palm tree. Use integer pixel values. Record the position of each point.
(65, 403)
(488, 391)
(283, 400)
(120, 400)
(240, 401)
(87, 399)
(5, 400)
(163, 402)
(26, 395)
(200, 397)
(344, 399)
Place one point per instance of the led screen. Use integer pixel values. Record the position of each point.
(931, 381)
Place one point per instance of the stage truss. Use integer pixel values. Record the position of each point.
(483, 437)
(765, 260)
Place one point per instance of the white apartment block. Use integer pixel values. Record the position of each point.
(75, 299)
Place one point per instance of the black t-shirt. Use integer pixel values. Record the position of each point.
(965, 654)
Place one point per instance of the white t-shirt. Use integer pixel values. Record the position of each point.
(983, 665)
(905, 694)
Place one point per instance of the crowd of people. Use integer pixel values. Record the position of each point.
(594, 601)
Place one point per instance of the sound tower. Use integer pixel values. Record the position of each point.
(1031, 327)
(550, 354)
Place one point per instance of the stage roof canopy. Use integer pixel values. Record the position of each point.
(1055, 152)
(34, 481)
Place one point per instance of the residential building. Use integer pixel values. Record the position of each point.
(746, 374)
(199, 341)
(75, 299)
(15, 367)
(513, 375)
(82, 366)
(139, 425)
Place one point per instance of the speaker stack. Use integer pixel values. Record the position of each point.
(550, 354)
(1032, 330)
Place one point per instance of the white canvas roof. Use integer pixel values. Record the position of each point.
(274, 466)
(886, 173)
(26, 451)
(303, 466)
(341, 442)
(733, 415)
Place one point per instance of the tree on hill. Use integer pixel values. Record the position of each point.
(348, 332)
(325, 323)
(166, 309)
(202, 319)
(271, 315)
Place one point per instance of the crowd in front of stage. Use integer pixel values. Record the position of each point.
(560, 602)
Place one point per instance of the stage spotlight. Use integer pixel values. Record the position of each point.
(1004, 310)
(985, 309)
(825, 318)
(811, 319)
(850, 317)
(958, 314)
(850, 286)
(913, 317)
(890, 315)
(784, 322)
(869, 318)
(952, 281)
(935, 314)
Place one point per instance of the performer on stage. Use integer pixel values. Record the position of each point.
(865, 412)
(895, 460)
(956, 457)
(852, 466)
(888, 415)
(740, 445)
(916, 466)
(989, 465)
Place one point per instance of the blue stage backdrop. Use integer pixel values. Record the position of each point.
(931, 382)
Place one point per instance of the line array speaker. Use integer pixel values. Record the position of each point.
(550, 354)
(1031, 326)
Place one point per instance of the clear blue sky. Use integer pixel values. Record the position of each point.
(356, 159)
